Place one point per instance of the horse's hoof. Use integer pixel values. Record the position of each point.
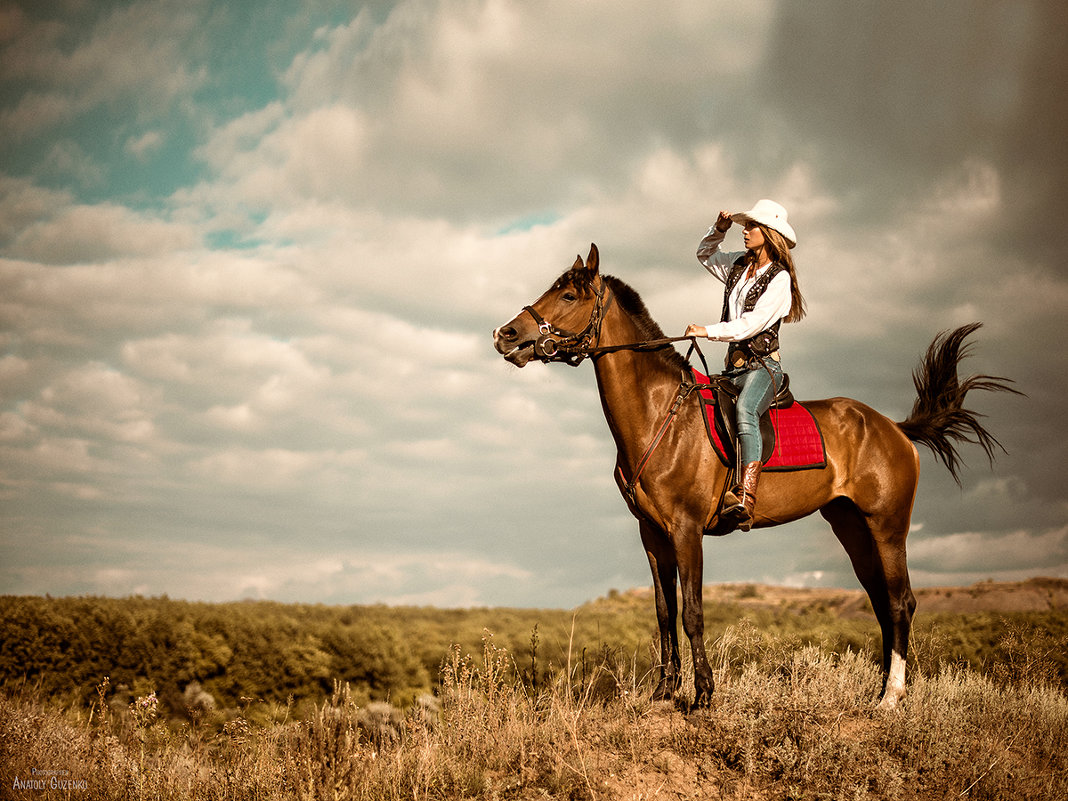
(665, 690)
(703, 696)
(887, 704)
(700, 704)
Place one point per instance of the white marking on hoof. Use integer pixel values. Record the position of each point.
(895, 682)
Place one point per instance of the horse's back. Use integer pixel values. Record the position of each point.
(853, 425)
(869, 456)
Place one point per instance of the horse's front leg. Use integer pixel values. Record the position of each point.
(664, 567)
(690, 555)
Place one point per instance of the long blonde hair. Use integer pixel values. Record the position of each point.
(779, 250)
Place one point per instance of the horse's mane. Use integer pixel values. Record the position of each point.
(631, 302)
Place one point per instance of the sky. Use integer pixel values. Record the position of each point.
(251, 255)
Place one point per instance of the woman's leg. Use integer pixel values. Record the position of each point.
(758, 388)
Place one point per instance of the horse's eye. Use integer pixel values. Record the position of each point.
(570, 297)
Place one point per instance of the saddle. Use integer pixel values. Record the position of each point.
(791, 436)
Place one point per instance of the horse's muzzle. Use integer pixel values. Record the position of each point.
(509, 343)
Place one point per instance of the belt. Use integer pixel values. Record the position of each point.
(738, 359)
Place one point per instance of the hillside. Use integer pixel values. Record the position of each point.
(1033, 595)
(167, 699)
(286, 653)
(985, 715)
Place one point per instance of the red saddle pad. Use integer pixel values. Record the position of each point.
(798, 440)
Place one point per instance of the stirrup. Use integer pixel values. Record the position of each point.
(731, 500)
(733, 511)
(739, 516)
(745, 523)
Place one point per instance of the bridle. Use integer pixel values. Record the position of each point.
(559, 345)
(570, 347)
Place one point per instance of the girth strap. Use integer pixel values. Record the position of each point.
(686, 386)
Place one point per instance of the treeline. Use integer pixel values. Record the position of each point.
(259, 651)
(273, 652)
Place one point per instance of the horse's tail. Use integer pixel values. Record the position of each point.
(939, 419)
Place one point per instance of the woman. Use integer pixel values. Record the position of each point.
(760, 292)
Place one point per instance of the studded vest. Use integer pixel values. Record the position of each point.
(748, 353)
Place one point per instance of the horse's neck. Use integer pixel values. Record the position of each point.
(637, 388)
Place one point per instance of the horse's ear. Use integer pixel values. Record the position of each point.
(593, 260)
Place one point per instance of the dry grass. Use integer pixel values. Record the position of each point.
(787, 722)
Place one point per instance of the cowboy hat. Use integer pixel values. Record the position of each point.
(771, 215)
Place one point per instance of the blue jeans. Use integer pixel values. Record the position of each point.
(757, 393)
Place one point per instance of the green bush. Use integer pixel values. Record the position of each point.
(289, 656)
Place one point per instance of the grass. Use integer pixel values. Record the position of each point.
(788, 721)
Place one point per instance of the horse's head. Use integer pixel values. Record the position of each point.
(562, 323)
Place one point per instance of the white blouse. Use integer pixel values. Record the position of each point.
(772, 306)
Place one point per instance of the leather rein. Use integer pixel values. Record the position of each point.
(559, 345)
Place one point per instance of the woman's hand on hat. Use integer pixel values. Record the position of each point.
(724, 222)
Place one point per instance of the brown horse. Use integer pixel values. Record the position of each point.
(865, 491)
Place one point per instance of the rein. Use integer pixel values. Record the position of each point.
(649, 344)
(630, 487)
(570, 347)
(686, 386)
(653, 344)
(558, 345)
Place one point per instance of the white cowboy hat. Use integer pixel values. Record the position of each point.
(770, 214)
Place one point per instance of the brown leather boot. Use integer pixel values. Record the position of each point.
(747, 496)
(738, 503)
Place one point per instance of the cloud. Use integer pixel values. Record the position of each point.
(320, 154)
(136, 54)
(140, 147)
(432, 111)
(94, 233)
(23, 203)
(974, 556)
(295, 344)
(903, 94)
(68, 159)
(96, 399)
(219, 571)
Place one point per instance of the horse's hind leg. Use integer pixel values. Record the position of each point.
(664, 566)
(877, 553)
(852, 531)
(890, 546)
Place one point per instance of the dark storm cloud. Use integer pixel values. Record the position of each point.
(896, 105)
(890, 95)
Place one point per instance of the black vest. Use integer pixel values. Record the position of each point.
(748, 353)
